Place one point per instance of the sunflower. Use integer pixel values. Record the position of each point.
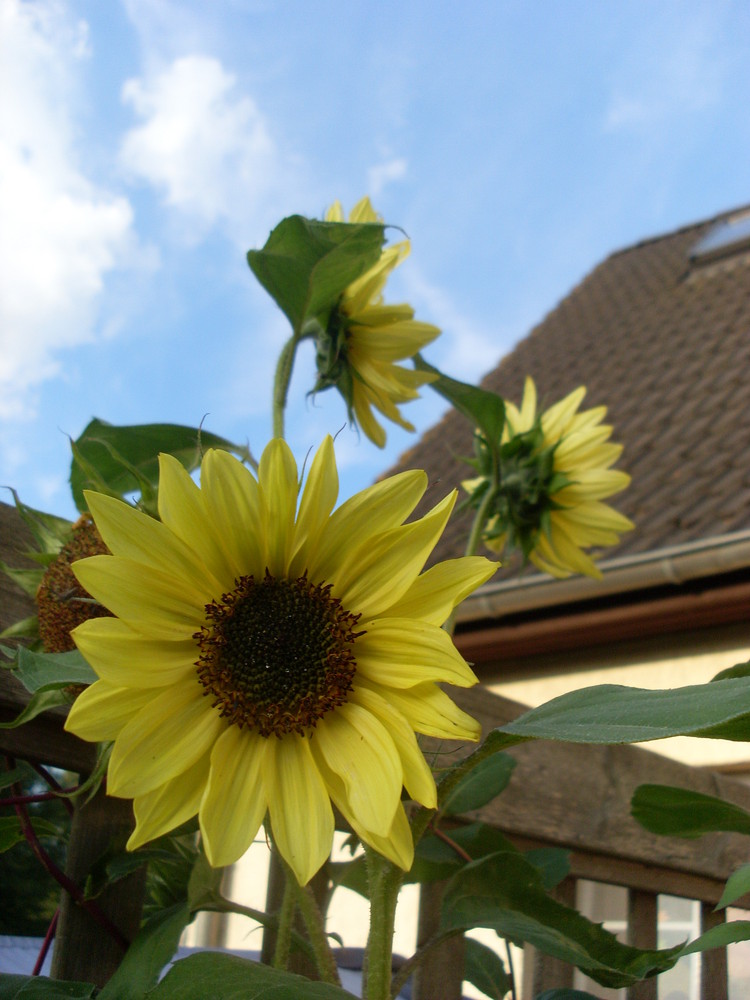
(562, 462)
(270, 655)
(365, 338)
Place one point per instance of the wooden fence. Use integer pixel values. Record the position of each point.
(574, 797)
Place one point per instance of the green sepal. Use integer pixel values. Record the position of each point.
(27, 579)
(49, 531)
(305, 265)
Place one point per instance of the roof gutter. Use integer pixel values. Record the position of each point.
(676, 565)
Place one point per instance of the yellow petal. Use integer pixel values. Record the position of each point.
(382, 572)
(182, 509)
(368, 513)
(397, 845)
(400, 653)
(428, 709)
(299, 806)
(143, 596)
(317, 502)
(436, 592)
(417, 777)
(102, 710)
(234, 803)
(361, 751)
(134, 535)
(128, 659)
(230, 494)
(169, 805)
(556, 419)
(277, 478)
(164, 739)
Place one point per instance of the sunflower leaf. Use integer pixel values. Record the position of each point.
(738, 884)
(480, 785)
(719, 937)
(679, 812)
(153, 947)
(610, 714)
(485, 409)
(123, 457)
(306, 264)
(485, 970)
(228, 977)
(40, 988)
(46, 671)
(505, 892)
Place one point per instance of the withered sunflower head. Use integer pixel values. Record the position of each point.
(61, 601)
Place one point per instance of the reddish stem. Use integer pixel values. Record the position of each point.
(60, 877)
(48, 938)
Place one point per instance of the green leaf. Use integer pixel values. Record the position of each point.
(151, 950)
(27, 579)
(739, 670)
(480, 785)
(505, 892)
(719, 937)
(124, 457)
(22, 772)
(611, 714)
(44, 671)
(305, 264)
(49, 531)
(486, 410)
(679, 812)
(435, 859)
(11, 832)
(738, 884)
(40, 702)
(41, 988)
(566, 994)
(227, 977)
(485, 970)
(204, 884)
(552, 863)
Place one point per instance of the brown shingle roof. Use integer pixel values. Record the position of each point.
(665, 345)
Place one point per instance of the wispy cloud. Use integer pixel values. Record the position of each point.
(679, 72)
(205, 146)
(61, 233)
(383, 174)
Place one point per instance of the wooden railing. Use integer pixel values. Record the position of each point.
(574, 797)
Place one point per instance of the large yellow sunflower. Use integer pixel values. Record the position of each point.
(272, 655)
(581, 478)
(365, 339)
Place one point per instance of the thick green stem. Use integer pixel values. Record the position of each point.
(315, 926)
(284, 931)
(281, 384)
(385, 880)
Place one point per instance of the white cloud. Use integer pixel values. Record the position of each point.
(383, 173)
(207, 148)
(59, 233)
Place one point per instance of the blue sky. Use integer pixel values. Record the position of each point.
(146, 145)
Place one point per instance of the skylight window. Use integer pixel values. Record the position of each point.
(727, 237)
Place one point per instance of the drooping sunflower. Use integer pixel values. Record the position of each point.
(271, 655)
(365, 339)
(556, 477)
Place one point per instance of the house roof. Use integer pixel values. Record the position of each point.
(664, 342)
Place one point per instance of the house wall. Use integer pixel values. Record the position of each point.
(666, 661)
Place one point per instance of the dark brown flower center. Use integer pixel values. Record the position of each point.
(277, 654)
